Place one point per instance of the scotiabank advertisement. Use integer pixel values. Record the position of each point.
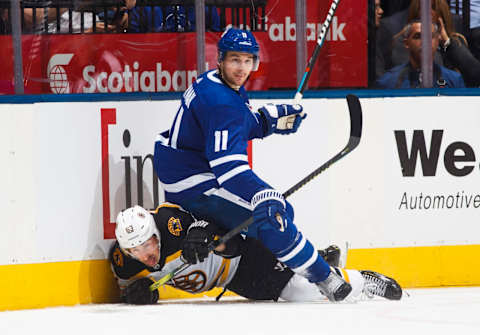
(159, 62)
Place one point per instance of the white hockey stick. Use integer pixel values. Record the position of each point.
(316, 52)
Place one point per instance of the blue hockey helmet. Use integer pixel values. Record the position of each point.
(239, 40)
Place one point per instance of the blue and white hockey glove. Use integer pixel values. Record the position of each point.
(281, 119)
(269, 207)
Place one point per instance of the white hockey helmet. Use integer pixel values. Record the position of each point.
(135, 225)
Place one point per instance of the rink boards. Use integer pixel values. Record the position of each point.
(406, 202)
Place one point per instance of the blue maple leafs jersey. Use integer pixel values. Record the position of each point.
(206, 147)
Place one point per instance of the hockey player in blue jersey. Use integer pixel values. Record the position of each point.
(202, 162)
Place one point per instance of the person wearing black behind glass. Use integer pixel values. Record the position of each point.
(409, 75)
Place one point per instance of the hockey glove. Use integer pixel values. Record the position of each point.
(331, 255)
(195, 244)
(281, 119)
(138, 292)
(269, 207)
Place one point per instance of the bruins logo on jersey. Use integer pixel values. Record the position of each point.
(118, 257)
(174, 226)
(191, 282)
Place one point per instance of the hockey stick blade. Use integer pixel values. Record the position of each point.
(356, 120)
(355, 111)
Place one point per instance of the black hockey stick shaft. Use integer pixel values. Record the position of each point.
(355, 111)
(316, 52)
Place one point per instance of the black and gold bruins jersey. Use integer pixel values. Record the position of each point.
(173, 222)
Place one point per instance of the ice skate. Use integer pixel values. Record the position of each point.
(334, 287)
(380, 285)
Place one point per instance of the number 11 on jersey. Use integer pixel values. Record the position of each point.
(221, 140)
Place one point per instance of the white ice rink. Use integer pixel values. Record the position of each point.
(422, 311)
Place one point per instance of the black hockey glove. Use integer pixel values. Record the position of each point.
(138, 292)
(195, 244)
(331, 255)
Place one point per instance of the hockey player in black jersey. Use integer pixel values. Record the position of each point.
(148, 242)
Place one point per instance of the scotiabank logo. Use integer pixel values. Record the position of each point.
(57, 74)
(135, 79)
(458, 157)
(287, 31)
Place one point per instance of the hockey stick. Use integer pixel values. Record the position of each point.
(355, 111)
(316, 52)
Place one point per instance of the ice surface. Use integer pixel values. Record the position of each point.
(436, 311)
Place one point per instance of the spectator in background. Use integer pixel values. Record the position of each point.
(389, 26)
(116, 18)
(453, 52)
(4, 21)
(475, 27)
(409, 75)
(144, 18)
(180, 18)
(378, 12)
(34, 20)
(391, 7)
(379, 41)
(456, 55)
